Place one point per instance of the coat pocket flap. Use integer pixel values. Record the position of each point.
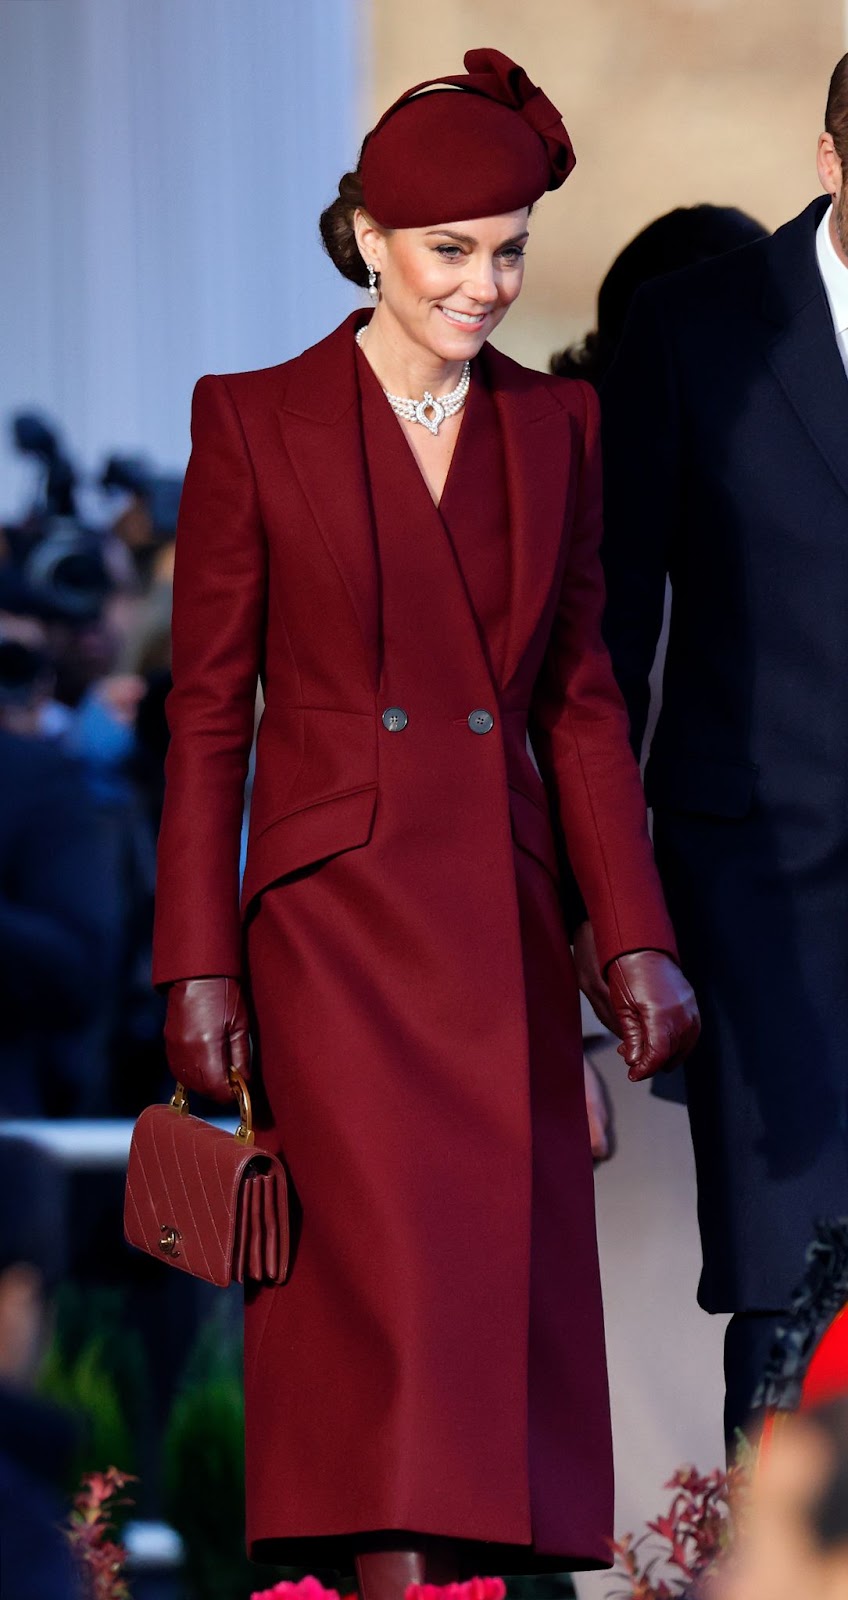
(302, 838)
(699, 784)
(531, 829)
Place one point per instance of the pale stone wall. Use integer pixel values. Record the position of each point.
(669, 102)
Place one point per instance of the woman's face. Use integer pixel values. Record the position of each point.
(448, 287)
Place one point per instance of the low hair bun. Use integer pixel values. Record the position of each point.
(337, 233)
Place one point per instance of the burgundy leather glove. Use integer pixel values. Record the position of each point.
(657, 1012)
(206, 1032)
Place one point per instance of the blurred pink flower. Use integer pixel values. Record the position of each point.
(307, 1589)
(311, 1589)
(474, 1589)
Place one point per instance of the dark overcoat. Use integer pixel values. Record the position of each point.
(435, 1362)
(726, 466)
(59, 921)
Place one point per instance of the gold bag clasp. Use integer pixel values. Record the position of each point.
(169, 1238)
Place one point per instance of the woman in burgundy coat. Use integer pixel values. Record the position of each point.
(415, 581)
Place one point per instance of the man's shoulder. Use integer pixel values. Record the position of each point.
(727, 280)
(732, 285)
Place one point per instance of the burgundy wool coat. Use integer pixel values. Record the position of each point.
(435, 1362)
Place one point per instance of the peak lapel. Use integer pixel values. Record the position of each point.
(538, 456)
(803, 352)
(808, 366)
(321, 427)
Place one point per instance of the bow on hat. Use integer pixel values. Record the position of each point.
(494, 75)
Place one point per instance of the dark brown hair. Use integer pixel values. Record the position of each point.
(337, 233)
(836, 112)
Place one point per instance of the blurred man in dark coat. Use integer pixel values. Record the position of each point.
(37, 1439)
(726, 446)
(58, 905)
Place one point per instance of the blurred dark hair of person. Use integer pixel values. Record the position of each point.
(26, 673)
(148, 504)
(37, 1439)
(33, 436)
(681, 238)
(76, 582)
(793, 1525)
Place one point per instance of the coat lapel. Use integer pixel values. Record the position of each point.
(322, 432)
(538, 455)
(321, 426)
(803, 353)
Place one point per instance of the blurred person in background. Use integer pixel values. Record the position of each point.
(54, 492)
(82, 590)
(89, 570)
(792, 1538)
(58, 915)
(680, 238)
(397, 531)
(726, 469)
(37, 1439)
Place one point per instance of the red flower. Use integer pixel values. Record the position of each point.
(307, 1589)
(474, 1589)
(100, 1559)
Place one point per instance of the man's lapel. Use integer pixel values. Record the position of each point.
(802, 350)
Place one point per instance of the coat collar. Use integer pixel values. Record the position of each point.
(321, 428)
(802, 349)
(322, 431)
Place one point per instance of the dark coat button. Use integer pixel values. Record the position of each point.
(394, 718)
(481, 721)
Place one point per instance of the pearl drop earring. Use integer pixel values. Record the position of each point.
(372, 282)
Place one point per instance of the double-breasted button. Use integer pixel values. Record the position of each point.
(394, 718)
(481, 721)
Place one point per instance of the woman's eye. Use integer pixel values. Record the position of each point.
(448, 252)
(512, 254)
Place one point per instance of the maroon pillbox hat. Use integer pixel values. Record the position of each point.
(479, 144)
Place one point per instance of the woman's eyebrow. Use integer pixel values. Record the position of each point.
(467, 238)
(448, 233)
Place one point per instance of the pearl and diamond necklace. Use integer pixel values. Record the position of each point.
(416, 410)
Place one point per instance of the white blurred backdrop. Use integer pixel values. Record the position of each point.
(163, 169)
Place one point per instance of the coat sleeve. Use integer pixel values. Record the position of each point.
(220, 586)
(641, 497)
(578, 728)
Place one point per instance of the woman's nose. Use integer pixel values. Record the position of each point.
(480, 284)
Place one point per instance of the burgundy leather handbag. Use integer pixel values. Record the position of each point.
(204, 1200)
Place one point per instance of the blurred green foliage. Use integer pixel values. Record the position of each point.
(203, 1453)
(96, 1367)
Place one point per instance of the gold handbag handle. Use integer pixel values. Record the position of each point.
(244, 1131)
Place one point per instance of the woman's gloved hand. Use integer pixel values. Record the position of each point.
(207, 1033)
(656, 1009)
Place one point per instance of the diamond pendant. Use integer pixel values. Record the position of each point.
(430, 404)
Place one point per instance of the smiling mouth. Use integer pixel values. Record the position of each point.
(464, 319)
